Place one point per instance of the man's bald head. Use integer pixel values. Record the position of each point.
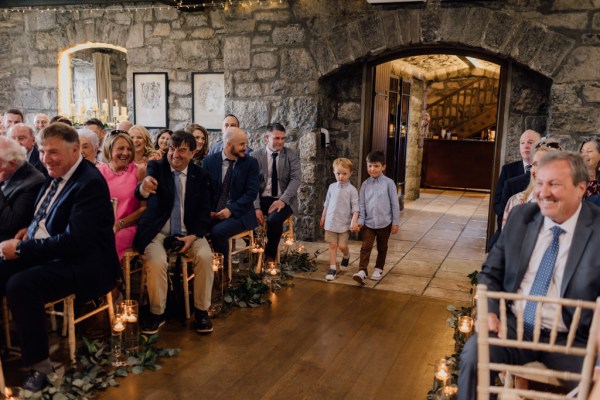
(235, 143)
(527, 140)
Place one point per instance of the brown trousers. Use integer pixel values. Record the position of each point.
(369, 235)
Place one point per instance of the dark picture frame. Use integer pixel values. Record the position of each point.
(151, 99)
(208, 99)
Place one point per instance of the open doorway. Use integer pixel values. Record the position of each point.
(436, 117)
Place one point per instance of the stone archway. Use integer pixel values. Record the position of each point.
(65, 89)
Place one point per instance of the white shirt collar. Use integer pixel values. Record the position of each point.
(567, 226)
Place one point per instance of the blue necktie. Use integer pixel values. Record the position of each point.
(176, 211)
(41, 212)
(541, 281)
(274, 184)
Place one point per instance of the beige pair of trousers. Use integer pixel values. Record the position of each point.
(156, 264)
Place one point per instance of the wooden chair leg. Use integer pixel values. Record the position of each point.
(70, 300)
(186, 288)
(6, 317)
(127, 275)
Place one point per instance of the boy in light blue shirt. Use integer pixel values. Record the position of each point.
(379, 216)
(340, 214)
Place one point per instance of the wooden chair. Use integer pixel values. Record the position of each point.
(186, 264)
(485, 388)
(68, 315)
(249, 235)
(128, 256)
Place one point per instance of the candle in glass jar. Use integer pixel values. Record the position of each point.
(131, 317)
(118, 326)
(465, 324)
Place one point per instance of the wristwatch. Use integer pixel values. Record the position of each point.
(18, 249)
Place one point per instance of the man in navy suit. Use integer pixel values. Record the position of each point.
(514, 263)
(178, 196)
(511, 170)
(276, 202)
(20, 183)
(69, 247)
(234, 187)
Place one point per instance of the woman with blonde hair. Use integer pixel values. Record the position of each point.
(122, 175)
(142, 144)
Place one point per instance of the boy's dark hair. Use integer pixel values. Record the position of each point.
(376, 156)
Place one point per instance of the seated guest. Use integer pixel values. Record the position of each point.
(161, 143)
(234, 188)
(63, 119)
(97, 126)
(69, 247)
(526, 196)
(142, 145)
(20, 183)
(40, 121)
(124, 126)
(230, 120)
(11, 117)
(590, 151)
(280, 177)
(26, 137)
(88, 141)
(201, 135)
(548, 248)
(178, 196)
(122, 176)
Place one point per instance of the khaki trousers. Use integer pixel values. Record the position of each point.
(156, 264)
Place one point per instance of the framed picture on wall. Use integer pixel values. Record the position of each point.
(208, 99)
(151, 99)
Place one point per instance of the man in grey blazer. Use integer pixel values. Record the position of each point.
(558, 237)
(20, 183)
(278, 191)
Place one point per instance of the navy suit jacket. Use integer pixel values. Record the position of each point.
(34, 159)
(242, 190)
(17, 200)
(515, 185)
(80, 224)
(509, 258)
(196, 205)
(508, 171)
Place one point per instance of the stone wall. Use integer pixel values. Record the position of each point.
(283, 60)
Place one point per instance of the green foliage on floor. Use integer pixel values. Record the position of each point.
(459, 342)
(94, 371)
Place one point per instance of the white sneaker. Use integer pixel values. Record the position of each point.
(330, 275)
(377, 274)
(360, 277)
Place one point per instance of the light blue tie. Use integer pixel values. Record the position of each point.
(542, 280)
(176, 211)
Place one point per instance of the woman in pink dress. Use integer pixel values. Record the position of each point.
(122, 176)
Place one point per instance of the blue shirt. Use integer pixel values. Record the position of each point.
(379, 205)
(341, 202)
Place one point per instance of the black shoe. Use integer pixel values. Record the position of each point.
(202, 323)
(344, 263)
(35, 381)
(150, 324)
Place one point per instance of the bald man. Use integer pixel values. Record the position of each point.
(40, 121)
(25, 136)
(234, 181)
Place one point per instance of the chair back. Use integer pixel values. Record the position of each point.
(580, 309)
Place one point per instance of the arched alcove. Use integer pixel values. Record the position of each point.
(65, 78)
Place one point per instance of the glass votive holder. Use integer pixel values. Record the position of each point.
(442, 370)
(128, 317)
(465, 324)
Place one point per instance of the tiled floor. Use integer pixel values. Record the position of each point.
(441, 240)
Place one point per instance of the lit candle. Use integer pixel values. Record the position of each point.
(105, 107)
(94, 106)
(73, 109)
(82, 108)
(124, 112)
(274, 271)
(115, 110)
(441, 371)
(465, 324)
(131, 317)
(118, 327)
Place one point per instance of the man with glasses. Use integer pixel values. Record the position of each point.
(178, 204)
(511, 170)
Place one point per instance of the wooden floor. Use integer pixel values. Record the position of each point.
(315, 341)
